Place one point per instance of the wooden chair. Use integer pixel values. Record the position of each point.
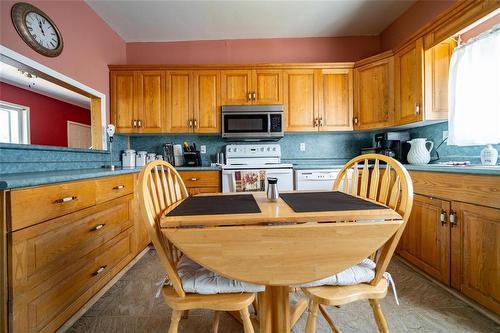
(391, 186)
(161, 186)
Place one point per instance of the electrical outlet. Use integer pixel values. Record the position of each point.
(445, 134)
(203, 149)
(302, 146)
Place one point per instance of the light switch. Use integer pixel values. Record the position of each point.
(203, 149)
(302, 146)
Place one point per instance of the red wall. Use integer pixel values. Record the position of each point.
(89, 43)
(48, 116)
(248, 51)
(415, 17)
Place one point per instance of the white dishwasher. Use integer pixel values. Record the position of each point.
(317, 179)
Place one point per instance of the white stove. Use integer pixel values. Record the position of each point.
(256, 157)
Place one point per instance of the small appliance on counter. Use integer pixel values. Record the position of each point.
(168, 153)
(128, 159)
(150, 157)
(140, 158)
(192, 157)
(392, 144)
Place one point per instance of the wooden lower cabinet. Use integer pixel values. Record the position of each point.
(475, 249)
(426, 240)
(201, 181)
(59, 263)
(456, 242)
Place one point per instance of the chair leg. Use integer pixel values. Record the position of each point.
(215, 323)
(311, 319)
(328, 319)
(247, 323)
(379, 316)
(255, 306)
(174, 321)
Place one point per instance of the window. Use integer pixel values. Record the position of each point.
(474, 91)
(14, 123)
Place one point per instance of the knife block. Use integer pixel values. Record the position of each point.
(192, 158)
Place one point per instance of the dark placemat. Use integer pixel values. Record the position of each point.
(304, 202)
(217, 204)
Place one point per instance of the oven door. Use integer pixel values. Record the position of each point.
(285, 179)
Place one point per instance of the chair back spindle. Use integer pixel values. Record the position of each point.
(393, 189)
(160, 186)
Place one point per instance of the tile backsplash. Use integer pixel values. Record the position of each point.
(434, 133)
(319, 146)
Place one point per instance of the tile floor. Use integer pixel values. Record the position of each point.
(130, 306)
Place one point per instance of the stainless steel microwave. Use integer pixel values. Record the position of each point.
(252, 122)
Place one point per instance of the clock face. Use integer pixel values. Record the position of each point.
(42, 31)
(37, 29)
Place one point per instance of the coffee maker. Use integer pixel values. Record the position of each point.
(392, 144)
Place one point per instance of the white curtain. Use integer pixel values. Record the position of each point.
(474, 91)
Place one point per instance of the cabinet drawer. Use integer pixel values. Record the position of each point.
(33, 205)
(201, 178)
(113, 187)
(42, 251)
(198, 190)
(48, 306)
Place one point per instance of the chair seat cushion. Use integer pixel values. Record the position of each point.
(198, 279)
(360, 273)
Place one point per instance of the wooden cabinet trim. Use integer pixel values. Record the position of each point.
(346, 109)
(201, 114)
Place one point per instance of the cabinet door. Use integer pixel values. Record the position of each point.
(179, 101)
(475, 249)
(436, 67)
(150, 99)
(123, 101)
(426, 240)
(374, 94)
(408, 64)
(267, 85)
(301, 99)
(236, 87)
(336, 100)
(206, 102)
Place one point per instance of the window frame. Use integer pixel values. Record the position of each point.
(23, 121)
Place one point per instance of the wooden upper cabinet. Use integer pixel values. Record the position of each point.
(374, 94)
(150, 99)
(409, 75)
(179, 86)
(123, 101)
(475, 269)
(336, 100)
(301, 99)
(436, 72)
(236, 87)
(267, 87)
(426, 239)
(207, 111)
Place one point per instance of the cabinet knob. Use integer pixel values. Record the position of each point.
(190, 123)
(355, 120)
(98, 227)
(134, 123)
(254, 95)
(119, 187)
(139, 123)
(100, 270)
(249, 97)
(195, 123)
(453, 218)
(194, 179)
(417, 109)
(321, 121)
(315, 122)
(442, 217)
(66, 199)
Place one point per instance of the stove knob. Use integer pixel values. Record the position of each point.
(268, 149)
(274, 148)
(261, 148)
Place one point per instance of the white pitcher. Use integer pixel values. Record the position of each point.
(419, 153)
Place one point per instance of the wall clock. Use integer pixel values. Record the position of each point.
(37, 29)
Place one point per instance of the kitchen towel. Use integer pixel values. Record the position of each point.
(249, 181)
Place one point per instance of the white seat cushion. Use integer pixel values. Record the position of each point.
(360, 273)
(198, 279)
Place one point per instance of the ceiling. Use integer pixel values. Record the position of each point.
(144, 21)
(12, 75)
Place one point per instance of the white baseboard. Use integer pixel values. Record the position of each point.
(67, 325)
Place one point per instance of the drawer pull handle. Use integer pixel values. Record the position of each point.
(194, 179)
(119, 187)
(99, 271)
(97, 227)
(66, 199)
